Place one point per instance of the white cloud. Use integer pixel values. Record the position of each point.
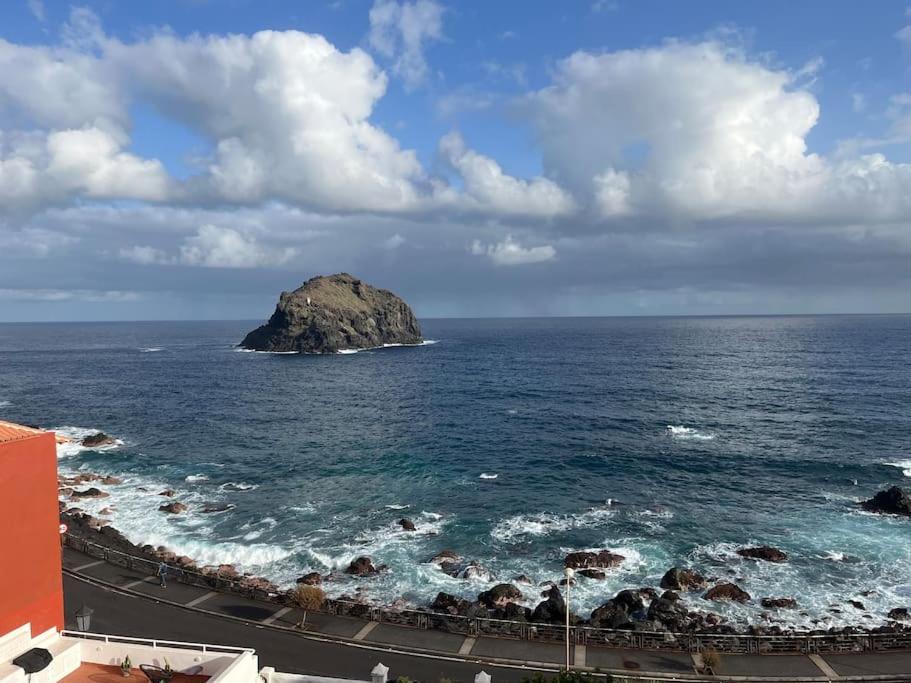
(488, 188)
(215, 247)
(145, 255)
(510, 253)
(399, 31)
(733, 146)
(289, 114)
(394, 242)
(113, 296)
(37, 168)
(858, 102)
(36, 7)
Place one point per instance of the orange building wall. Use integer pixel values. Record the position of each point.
(31, 583)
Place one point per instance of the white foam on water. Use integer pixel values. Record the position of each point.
(151, 349)
(426, 342)
(682, 432)
(276, 353)
(512, 411)
(396, 506)
(5, 404)
(237, 486)
(431, 515)
(835, 556)
(195, 478)
(903, 465)
(75, 435)
(519, 527)
(485, 475)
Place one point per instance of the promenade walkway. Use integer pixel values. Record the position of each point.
(129, 603)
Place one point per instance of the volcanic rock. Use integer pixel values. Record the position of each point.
(361, 566)
(778, 603)
(763, 553)
(330, 313)
(98, 439)
(900, 614)
(679, 579)
(311, 579)
(168, 493)
(727, 591)
(893, 501)
(445, 602)
(610, 615)
(500, 595)
(552, 610)
(111, 480)
(585, 559)
(174, 508)
(406, 524)
(476, 571)
(523, 578)
(90, 493)
(857, 604)
(592, 573)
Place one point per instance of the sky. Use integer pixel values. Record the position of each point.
(191, 159)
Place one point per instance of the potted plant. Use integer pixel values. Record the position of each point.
(167, 667)
(126, 666)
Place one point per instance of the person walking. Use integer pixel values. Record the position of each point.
(162, 573)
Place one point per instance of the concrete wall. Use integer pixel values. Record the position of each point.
(31, 583)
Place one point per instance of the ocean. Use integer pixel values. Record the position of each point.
(673, 441)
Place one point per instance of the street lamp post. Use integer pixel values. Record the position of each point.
(569, 573)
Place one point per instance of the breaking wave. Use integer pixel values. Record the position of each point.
(683, 433)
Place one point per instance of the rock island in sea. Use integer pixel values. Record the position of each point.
(332, 313)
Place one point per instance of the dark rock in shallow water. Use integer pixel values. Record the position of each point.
(522, 578)
(174, 508)
(90, 493)
(444, 602)
(763, 553)
(893, 501)
(900, 614)
(362, 566)
(778, 603)
(99, 439)
(500, 595)
(406, 524)
(330, 313)
(592, 574)
(311, 579)
(679, 579)
(476, 571)
(585, 559)
(610, 615)
(552, 610)
(727, 591)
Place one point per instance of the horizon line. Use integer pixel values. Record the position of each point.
(483, 317)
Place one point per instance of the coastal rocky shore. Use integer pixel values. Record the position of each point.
(667, 607)
(333, 313)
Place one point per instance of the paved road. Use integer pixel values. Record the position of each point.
(288, 652)
(128, 603)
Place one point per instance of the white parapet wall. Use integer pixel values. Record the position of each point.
(226, 664)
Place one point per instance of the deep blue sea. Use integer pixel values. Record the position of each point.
(668, 440)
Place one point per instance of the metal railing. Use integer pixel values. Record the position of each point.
(807, 643)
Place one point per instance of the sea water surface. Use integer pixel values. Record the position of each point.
(512, 442)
